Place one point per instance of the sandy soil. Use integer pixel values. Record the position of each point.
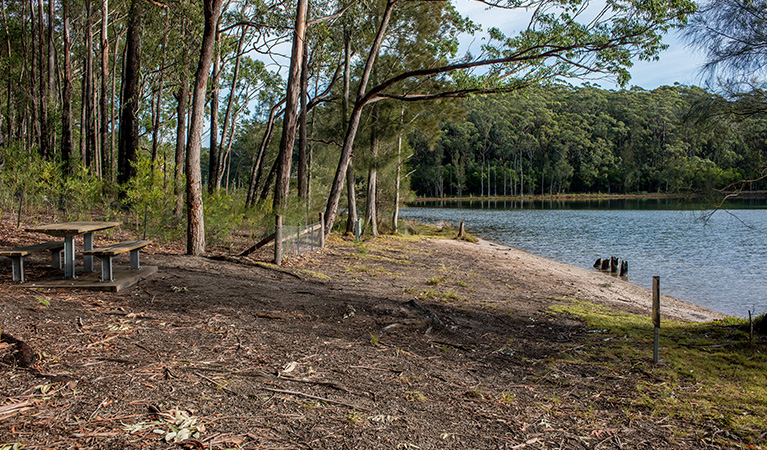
(387, 344)
(584, 284)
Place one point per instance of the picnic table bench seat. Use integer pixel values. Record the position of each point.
(106, 254)
(17, 256)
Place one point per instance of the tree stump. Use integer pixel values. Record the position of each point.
(598, 263)
(613, 264)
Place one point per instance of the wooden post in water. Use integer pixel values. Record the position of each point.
(461, 230)
(656, 317)
(278, 240)
(322, 230)
(751, 329)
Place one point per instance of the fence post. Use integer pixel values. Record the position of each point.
(656, 317)
(357, 229)
(278, 240)
(322, 230)
(299, 228)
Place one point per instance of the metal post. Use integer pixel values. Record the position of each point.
(135, 260)
(17, 268)
(69, 257)
(357, 229)
(278, 240)
(656, 317)
(88, 245)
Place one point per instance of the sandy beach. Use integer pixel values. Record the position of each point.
(583, 284)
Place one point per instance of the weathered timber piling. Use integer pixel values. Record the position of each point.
(605, 264)
(624, 268)
(598, 263)
(613, 264)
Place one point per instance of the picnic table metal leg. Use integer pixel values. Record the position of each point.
(88, 245)
(17, 269)
(69, 257)
(106, 268)
(135, 263)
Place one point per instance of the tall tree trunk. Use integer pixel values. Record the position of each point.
(89, 133)
(112, 115)
(31, 62)
(42, 54)
(303, 181)
(398, 175)
(351, 181)
(106, 169)
(51, 75)
(269, 181)
(258, 163)
(195, 242)
(331, 211)
(228, 155)
(9, 109)
(66, 97)
(213, 146)
(127, 151)
(371, 214)
(182, 97)
(229, 128)
(157, 112)
(291, 106)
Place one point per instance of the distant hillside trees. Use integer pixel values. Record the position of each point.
(556, 139)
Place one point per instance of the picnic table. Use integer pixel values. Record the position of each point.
(68, 231)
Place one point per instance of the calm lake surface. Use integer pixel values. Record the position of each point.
(717, 260)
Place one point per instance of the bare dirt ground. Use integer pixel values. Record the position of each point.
(390, 344)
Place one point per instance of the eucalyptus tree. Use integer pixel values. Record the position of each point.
(563, 39)
(195, 219)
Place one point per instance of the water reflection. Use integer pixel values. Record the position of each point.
(718, 261)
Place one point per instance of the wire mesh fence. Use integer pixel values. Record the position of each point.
(298, 239)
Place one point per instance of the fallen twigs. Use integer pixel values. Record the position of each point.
(12, 409)
(217, 384)
(314, 397)
(329, 384)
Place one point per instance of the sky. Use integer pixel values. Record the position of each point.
(678, 63)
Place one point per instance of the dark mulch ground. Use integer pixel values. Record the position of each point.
(392, 345)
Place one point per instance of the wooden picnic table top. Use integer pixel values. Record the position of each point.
(72, 228)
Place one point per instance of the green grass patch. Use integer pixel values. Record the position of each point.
(710, 374)
(315, 274)
(435, 280)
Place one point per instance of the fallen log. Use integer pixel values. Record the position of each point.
(258, 245)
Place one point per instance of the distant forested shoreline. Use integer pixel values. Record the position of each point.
(563, 139)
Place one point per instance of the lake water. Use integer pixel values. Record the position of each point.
(717, 260)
